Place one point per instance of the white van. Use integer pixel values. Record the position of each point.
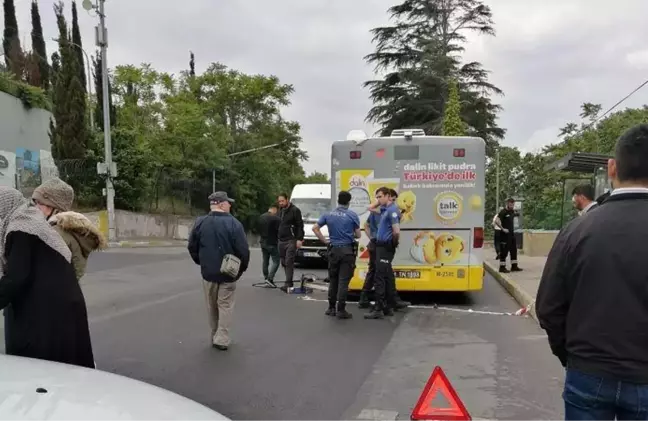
(313, 200)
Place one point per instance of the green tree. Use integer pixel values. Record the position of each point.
(317, 178)
(56, 94)
(192, 64)
(453, 125)
(77, 45)
(71, 135)
(14, 58)
(418, 54)
(38, 47)
(173, 133)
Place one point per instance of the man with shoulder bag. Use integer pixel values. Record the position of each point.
(219, 245)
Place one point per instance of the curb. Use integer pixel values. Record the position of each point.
(514, 289)
(154, 243)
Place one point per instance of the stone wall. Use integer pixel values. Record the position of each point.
(131, 225)
(538, 242)
(25, 154)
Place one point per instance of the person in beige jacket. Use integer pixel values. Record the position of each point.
(54, 198)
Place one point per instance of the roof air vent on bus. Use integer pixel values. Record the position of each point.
(407, 133)
(357, 136)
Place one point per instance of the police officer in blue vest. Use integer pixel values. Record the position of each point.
(387, 237)
(371, 228)
(344, 228)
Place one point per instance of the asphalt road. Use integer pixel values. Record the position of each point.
(289, 361)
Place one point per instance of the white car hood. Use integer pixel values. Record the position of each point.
(308, 230)
(79, 393)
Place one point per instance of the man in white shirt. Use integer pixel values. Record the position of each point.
(583, 198)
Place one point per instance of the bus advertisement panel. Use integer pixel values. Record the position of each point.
(440, 184)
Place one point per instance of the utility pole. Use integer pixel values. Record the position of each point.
(497, 179)
(108, 167)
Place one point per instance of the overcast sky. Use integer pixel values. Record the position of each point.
(549, 56)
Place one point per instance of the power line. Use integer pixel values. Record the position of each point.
(622, 100)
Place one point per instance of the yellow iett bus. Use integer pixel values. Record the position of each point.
(441, 184)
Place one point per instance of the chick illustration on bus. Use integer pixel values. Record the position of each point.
(443, 249)
(407, 204)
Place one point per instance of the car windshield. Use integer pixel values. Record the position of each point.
(312, 209)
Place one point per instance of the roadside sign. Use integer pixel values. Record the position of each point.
(439, 400)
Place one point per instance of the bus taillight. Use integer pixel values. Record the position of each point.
(459, 153)
(478, 239)
(355, 154)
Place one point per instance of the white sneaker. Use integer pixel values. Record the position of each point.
(270, 283)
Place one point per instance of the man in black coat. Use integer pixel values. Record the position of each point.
(269, 233)
(593, 296)
(291, 237)
(213, 238)
(583, 198)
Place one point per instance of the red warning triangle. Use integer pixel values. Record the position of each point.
(438, 387)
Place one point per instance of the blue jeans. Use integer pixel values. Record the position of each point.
(270, 269)
(589, 397)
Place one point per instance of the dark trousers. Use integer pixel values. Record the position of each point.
(497, 240)
(287, 252)
(341, 264)
(371, 272)
(390, 287)
(269, 252)
(589, 397)
(508, 245)
(384, 280)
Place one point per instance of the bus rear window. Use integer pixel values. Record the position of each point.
(406, 152)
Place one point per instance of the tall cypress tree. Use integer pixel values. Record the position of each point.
(98, 74)
(38, 46)
(453, 125)
(69, 96)
(192, 64)
(59, 106)
(77, 44)
(10, 41)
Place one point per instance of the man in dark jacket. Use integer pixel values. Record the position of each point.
(269, 231)
(212, 238)
(291, 235)
(508, 244)
(593, 296)
(583, 198)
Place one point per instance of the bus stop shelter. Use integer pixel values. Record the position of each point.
(591, 166)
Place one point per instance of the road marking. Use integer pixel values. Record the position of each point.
(377, 415)
(436, 307)
(139, 307)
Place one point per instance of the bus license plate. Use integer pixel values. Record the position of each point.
(407, 274)
(445, 274)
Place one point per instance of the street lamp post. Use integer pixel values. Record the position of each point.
(109, 168)
(242, 153)
(497, 179)
(88, 75)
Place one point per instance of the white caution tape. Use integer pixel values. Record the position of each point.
(520, 312)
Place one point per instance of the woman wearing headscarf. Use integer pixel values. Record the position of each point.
(54, 198)
(45, 313)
